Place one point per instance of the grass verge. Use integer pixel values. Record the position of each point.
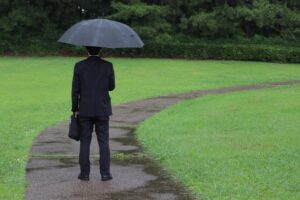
(232, 146)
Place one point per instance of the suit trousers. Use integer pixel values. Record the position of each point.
(102, 131)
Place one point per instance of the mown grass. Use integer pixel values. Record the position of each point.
(35, 93)
(232, 146)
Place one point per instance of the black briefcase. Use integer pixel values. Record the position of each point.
(74, 128)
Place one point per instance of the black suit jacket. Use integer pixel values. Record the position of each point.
(93, 78)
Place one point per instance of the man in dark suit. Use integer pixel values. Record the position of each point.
(93, 78)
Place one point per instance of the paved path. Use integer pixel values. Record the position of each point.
(53, 167)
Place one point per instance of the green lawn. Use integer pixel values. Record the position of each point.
(232, 146)
(35, 93)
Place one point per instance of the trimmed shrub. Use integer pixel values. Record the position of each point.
(188, 50)
(253, 52)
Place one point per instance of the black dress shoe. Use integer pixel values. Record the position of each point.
(83, 177)
(106, 177)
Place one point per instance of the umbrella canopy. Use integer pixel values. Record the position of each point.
(102, 33)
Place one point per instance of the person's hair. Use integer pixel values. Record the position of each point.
(93, 50)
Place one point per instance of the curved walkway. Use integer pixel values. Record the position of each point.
(52, 169)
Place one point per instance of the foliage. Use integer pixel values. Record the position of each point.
(209, 50)
(157, 21)
(147, 20)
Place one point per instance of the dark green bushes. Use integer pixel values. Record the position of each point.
(197, 50)
(253, 52)
(264, 30)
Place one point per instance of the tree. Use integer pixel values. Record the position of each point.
(34, 24)
(148, 20)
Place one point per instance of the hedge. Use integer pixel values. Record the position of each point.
(226, 51)
(217, 51)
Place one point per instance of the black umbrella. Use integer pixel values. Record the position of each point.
(102, 33)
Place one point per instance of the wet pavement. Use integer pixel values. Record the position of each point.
(52, 169)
